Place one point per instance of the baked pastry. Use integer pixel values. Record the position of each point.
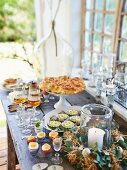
(54, 124)
(9, 81)
(62, 85)
(75, 119)
(72, 112)
(68, 124)
(62, 117)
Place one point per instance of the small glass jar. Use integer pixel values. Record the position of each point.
(95, 126)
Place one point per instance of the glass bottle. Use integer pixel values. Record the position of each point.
(56, 53)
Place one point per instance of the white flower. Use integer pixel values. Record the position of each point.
(106, 152)
(81, 147)
(86, 152)
(119, 138)
(120, 149)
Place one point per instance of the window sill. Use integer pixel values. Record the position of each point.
(118, 109)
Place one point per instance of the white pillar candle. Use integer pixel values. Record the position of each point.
(95, 135)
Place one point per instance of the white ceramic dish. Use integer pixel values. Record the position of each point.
(39, 166)
(56, 167)
(10, 87)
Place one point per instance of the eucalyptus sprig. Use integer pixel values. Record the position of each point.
(109, 159)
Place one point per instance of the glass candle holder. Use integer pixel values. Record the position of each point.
(110, 93)
(95, 126)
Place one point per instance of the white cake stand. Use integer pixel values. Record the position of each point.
(62, 103)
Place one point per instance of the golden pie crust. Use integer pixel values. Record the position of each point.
(62, 85)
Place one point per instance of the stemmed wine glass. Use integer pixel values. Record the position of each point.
(26, 119)
(57, 143)
(34, 99)
(20, 98)
(46, 96)
(31, 114)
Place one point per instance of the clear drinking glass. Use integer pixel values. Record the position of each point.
(31, 113)
(51, 97)
(26, 119)
(19, 99)
(57, 143)
(46, 96)
(34, 99)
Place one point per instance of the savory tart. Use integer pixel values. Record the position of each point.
(75, 119)
(62, 117)
(54, 124)
(53, 118)
(62, 85)
(68, 124)
(72, 112)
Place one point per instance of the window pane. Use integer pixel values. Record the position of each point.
(105, 65)
(89, 4)
(111, 5)
(125, 7)
(107, 45)
(87, 56)
(99, 4)
(109, 24)
(87, 40)
(98, 22)
(88, 22)
(94, 61)
(124, 27)
(123, 51)
(96, 43)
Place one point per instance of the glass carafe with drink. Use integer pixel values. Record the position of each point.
(20, 99)
(34, 98)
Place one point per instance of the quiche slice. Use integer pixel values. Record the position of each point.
(75, 119)
(68, 124)
(54, 124)
(62, 117)
(72, 112)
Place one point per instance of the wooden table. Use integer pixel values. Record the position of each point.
(18, 149)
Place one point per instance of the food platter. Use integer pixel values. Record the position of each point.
(56, 112)
(10, 86)
(62, 86)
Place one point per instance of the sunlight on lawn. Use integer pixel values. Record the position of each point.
(16, 68)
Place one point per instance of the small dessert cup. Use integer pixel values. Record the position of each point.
(46, 148)
(33, 147)
(52, 135)
(41, 136)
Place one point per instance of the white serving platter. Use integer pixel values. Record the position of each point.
(55, 112)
